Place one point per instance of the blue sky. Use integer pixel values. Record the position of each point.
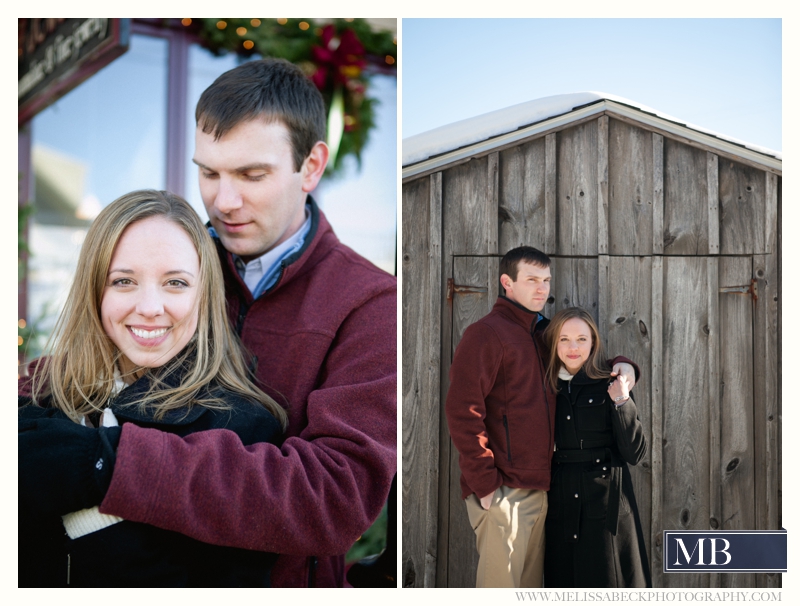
(721, 74)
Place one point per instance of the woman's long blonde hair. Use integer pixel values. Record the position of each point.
(79, 372)
(596, 365)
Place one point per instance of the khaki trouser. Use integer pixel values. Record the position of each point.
(509, 537)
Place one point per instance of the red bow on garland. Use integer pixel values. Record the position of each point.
(342, 57)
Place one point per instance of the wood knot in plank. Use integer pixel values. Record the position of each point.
(409, 574)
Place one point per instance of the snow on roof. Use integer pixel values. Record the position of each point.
(480, 128)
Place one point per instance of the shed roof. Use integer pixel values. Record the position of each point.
(452, 142)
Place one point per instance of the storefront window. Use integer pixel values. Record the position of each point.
(101, 140)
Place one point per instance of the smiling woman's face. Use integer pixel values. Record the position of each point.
(149, 306)
(574, 344)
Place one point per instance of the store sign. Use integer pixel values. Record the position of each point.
(56, 55)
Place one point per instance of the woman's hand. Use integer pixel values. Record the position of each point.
(63, 466)
(618, 390)
(623, 369)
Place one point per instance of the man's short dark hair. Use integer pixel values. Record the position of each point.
(509, 264)
(272, 89)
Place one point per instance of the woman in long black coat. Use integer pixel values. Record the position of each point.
(593, 533)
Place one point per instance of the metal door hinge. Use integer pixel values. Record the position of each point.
(751, 290)
(452, 287)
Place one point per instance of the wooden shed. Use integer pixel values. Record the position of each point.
(670, 235)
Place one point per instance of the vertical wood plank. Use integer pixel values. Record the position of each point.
(445, 358)
(712, 329)
(776, 506)
(630, 189)
(712, 176)
(657, 424)
(603, 318)
(512, 215)
(420, 360)
(771, 211)
(550, 194)
(602, 185)
(492, 203)
(736, 464)
(494, 288)
(467, 309)
(743, 202)
(465, 191)
(434, 351)
(685, 199)
(628, 316)
(492, 220)
(576, 192)
(658, 194)
(776, 485)
(686, 429)
(522, 197)
(766, 418)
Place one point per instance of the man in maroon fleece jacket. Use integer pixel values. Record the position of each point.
(501, 416)
(321, 323)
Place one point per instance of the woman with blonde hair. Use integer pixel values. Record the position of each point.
(593, 536)
(144, 338)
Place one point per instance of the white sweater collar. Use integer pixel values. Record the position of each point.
(564, 375)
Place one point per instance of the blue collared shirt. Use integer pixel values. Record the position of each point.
(261, 273)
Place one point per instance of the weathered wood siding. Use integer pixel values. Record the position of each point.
(421, 365)
(660, 240)
(630, 188)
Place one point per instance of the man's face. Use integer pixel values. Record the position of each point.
(531, 288)
(254, 198)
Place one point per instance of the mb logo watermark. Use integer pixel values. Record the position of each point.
(725, 551)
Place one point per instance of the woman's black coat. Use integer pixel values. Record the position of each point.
(593, 533)
(130, 554)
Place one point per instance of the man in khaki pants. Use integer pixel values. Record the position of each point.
(501, 416)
